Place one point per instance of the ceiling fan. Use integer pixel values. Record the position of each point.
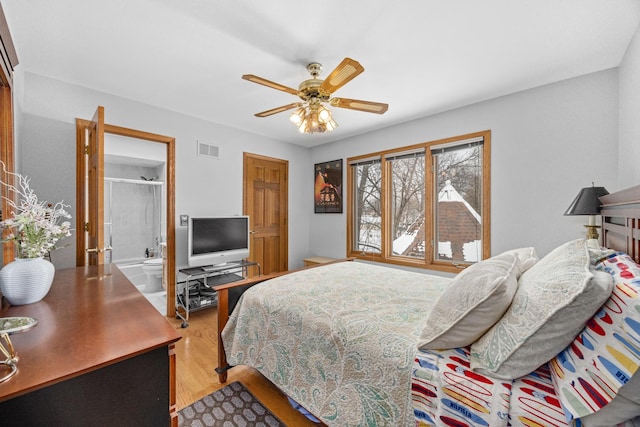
(312, 115)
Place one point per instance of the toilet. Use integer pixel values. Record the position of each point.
(153, 269)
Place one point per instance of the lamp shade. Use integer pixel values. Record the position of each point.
(587, 201)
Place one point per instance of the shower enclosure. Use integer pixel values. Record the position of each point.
(134, 216)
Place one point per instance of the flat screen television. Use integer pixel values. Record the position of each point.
(217, 240)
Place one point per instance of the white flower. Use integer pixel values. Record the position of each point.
(33, 226)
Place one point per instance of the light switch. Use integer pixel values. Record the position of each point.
(184, 220)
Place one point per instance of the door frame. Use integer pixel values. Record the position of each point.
(7, 157)
(7, 148)
(81, 126)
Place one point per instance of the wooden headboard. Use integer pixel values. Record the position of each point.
(621, 221)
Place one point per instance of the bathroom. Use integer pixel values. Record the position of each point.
(135, 206)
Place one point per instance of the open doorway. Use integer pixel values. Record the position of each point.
(156, 177)
(135, 213)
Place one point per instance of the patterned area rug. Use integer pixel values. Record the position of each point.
(231, 406)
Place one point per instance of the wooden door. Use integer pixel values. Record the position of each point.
(95, 190)
(266, 202)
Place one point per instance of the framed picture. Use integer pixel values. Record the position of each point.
(327, 193)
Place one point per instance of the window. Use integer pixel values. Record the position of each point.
(368, 228)
(424, 206)
(407, 172)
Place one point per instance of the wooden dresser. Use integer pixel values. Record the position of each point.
(101, 355)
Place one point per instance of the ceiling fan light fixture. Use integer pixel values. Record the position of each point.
(298, 116)
(313, 118)
(331, 125)
(314, 123)
(324, 115)
(303, 127)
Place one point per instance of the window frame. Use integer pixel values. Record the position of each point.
(430, 192)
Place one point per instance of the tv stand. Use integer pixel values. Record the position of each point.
(209, 268)
(198, 293)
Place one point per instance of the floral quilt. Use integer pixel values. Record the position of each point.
(339, 339)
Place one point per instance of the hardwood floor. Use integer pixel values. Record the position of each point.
(196, 360)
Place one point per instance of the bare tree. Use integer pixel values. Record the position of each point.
(368, 207)
(462, 167)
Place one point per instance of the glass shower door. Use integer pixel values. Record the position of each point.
(133, 218)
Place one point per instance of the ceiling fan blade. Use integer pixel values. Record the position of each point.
(343, 74)
(356, 104)
(269, 83)
(277, 110)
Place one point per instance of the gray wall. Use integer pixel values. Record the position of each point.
(546, 144)
(47, 110)
(629, 133)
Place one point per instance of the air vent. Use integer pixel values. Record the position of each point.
(208, 150)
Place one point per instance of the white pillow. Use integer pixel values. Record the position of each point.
(554, 300)
(527, 256)
(474, 300)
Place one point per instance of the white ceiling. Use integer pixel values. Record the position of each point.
(420, 56)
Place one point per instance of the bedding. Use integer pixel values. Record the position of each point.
(553, 302)
(342, 340)
(472, 303)
(595, 375)
(338, 339)
(446, 392)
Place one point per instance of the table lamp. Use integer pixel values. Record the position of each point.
(587, 202)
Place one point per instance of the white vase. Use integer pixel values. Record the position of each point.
(26, 280)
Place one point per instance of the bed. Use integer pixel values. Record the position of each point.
(512, 340)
